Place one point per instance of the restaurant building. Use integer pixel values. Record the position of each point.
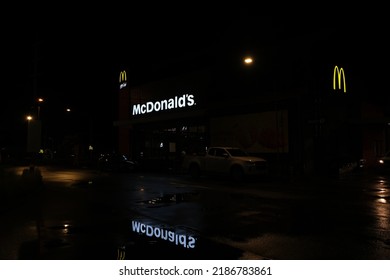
(302, 106)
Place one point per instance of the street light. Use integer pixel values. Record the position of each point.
(39, 100)
(33, 134)
(248, 60)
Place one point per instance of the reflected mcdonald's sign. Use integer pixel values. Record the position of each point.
(339, 78)
(122, 79)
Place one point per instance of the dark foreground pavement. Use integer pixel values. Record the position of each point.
(68, 217)
(44, 221)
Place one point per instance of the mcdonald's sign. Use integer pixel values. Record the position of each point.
(122, 79)
(339, 78)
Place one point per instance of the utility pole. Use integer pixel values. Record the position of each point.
(34, 133)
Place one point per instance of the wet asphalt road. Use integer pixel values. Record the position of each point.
(86, 214)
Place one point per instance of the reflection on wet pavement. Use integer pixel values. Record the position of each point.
(167, 199)
(85, 215)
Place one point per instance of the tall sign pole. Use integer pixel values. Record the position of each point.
(34, 132)
(124, 140)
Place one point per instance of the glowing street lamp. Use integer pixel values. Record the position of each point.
(248, 60)
(33, 134)
(39, 100)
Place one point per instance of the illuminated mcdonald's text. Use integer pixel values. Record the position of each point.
(186, 100)
(339, 78)
(122, 79)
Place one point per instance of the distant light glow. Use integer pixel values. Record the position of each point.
(382, 200)
(65, 229)
(29, 118)
(248, 60)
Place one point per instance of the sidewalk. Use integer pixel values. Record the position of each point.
(19, 195)
(15, 186)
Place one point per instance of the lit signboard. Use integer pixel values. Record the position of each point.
(122, 79)
(339, 78)
(186, 100)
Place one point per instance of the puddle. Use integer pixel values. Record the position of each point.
(82, 183)
(168, 199)
(67, 229)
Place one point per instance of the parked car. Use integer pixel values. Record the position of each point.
(229, 161)
(116, 163)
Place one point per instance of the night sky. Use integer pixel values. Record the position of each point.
(72, 57)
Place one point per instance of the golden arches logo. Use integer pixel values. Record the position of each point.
(339, 73)
(122, 76)
(121, 252)
(122, 79)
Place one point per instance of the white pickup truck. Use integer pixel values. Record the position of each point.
(229, 161)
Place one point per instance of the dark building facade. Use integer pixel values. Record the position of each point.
(302, 104)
